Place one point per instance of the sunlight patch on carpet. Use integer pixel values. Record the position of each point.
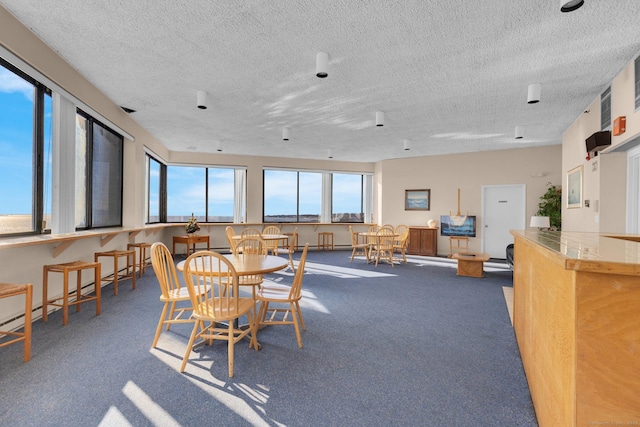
(508, 298)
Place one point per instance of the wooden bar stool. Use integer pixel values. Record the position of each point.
(142, 258)
(11, 290)
(325, 240)
(65, 269)
(130, 273)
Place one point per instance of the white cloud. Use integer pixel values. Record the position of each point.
(10, 83)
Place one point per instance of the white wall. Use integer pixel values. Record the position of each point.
(605, 176)
(444, 175)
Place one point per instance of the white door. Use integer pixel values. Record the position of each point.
(503, 209)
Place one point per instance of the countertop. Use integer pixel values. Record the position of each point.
(592, 252)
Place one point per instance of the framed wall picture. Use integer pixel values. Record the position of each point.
(417, 200)
(574, 187)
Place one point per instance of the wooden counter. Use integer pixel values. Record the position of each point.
(577, 323)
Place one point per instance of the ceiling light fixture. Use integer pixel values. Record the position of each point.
(533, 94)
(570, 5)
(322, 64)
(219, 146)
(330, 153)
(285, 134)
(519, 132)
(202, 100)
(407, 145)
(379, 118)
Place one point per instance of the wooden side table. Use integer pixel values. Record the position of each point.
(471, 265)
(190, 241)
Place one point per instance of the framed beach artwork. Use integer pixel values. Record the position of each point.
(574, 187)
(417, 200)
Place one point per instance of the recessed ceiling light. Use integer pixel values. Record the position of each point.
(533, 93)
(202, 100)
(322, 65)
(570, 5)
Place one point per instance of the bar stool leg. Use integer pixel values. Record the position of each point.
(115, 275)
(78, 289)
(65, 298)
(45, 297)
(27, 324)
(133, 268)
(97, 283)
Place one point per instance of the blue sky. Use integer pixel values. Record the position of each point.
(16, 136)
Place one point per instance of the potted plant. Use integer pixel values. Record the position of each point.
(192, 225)
(551, 205)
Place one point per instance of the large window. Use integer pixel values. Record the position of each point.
(99, 166)
(347, 201)
(25, 159)
(186, 193)
(303, 196)
(292, 196)
(220, 195)
(154, 189)
(212, 194)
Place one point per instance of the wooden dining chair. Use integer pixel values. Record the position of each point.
(399, 230)
(250, 232)
(222, 304)
(383, 247)
(291, 247)
(272, 245)
(233, 243)
(171, 292)
(371, 239)
(252, 245)
(401, 245)
(359, 248)
(278, 300)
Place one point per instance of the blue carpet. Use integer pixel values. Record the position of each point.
(409, 345)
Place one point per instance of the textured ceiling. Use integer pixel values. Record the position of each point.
(451, 76)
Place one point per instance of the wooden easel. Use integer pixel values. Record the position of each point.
(462, 243)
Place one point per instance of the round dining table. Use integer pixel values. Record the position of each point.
(247, 264)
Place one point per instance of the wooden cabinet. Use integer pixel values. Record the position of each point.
(423, 241)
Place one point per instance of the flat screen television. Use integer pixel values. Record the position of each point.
(451, 226)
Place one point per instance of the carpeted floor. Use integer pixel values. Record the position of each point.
(409, 345)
